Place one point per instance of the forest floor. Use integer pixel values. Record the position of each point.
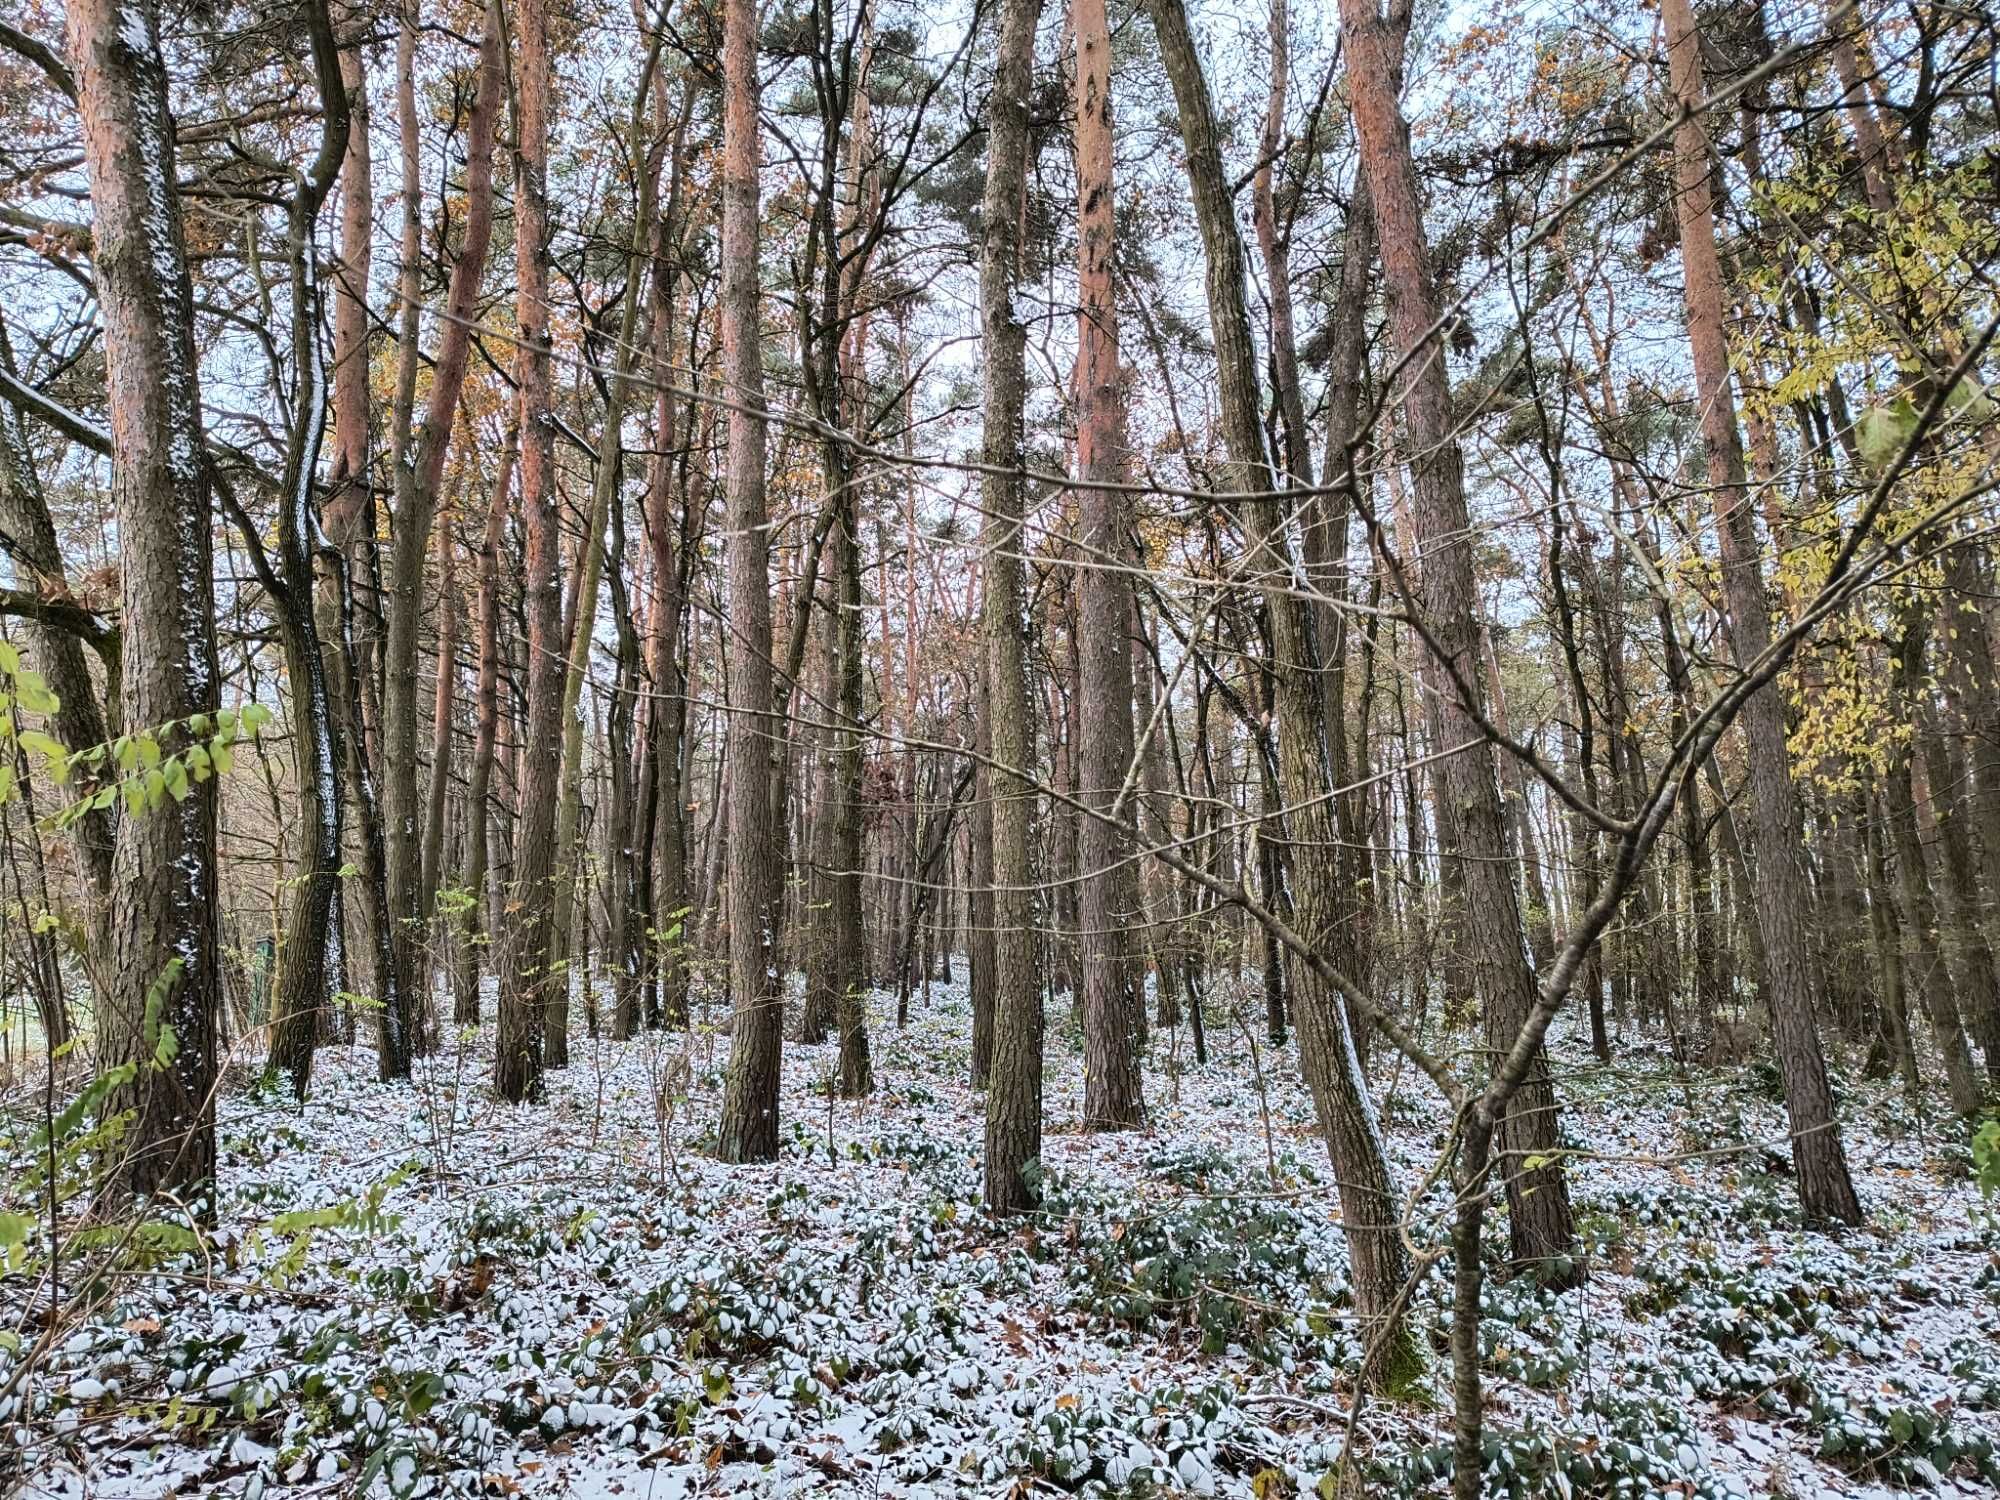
(419, 1292)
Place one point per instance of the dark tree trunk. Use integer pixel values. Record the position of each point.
(749, 1128)
(525, 975)
(1014, 1093)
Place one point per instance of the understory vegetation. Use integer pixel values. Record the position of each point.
(417, 1292)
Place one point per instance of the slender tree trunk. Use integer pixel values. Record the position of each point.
(1369, 1206)
(475, 936)
(1924, 949)
(443, 708)
(526, 976)
(1965, 937)
(1156, 823)
(1540, 1226)
(1888, 933)
(419, 473)
(569, 805)
(1541, 937)
(1826, 1192)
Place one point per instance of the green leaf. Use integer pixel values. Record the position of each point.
(10, 659)
(14, 1229)
(1969, 401)
(1884, 431)
(51, 750)
(1986, 1157)
(35, 694)
(177, 779)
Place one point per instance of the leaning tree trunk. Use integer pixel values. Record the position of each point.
(1369, 1207)
(1488, 929)
(1783, 897)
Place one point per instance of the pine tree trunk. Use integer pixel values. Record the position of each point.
(1784, 901)
(1490, 938)
(165, 899)
(1113, 1091)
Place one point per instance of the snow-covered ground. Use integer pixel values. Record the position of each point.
(575, 1299)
